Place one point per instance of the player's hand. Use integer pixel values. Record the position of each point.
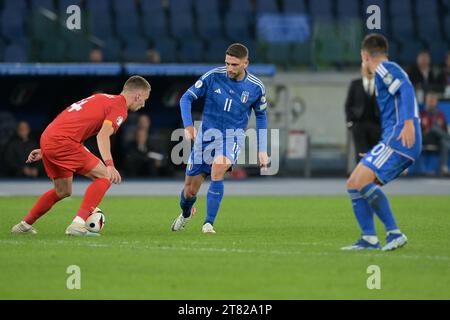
(34, 156)
(407, 135)
(190, 132)
(113, 174)
(263, 160)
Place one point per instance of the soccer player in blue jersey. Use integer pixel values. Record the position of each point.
(399, 147)
(231, 93)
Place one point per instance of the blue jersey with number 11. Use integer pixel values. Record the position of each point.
(229, 103)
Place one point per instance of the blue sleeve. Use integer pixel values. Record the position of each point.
(186, 106)
(408, 98)
(260, 107)
(394, 78)
(193, 93)
(397, 82)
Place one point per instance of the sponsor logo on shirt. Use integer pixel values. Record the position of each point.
(119, 120)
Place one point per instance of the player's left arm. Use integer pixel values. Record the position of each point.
(261, 126)
(408, 109)
(104, 146)
(398, 83)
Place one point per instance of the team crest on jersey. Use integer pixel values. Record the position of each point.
(388, 79)
(119, 120)
(244, 96)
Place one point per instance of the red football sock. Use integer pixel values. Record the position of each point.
(45, 202)
(92, 197)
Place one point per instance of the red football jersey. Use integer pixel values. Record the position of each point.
(83, 119)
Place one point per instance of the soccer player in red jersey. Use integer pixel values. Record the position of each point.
(63, 153)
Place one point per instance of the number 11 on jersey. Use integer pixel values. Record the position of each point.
(227, 106)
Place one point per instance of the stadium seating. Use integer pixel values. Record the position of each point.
(348, 9)
(191, 50)
(167, 48)
(278, 54)
(154, 20)
(12, 24)
(100, 20)
(215, 51)
(135, 49)
(109, 24)
(321, 9)
(111, 48)
(209, 24)
(294, 6)
(238, 26)
(181, 19)
(127, 21)
(78, 45)
(243, 6)
(266, 6)
(15, 53)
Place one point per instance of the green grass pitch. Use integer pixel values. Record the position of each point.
(265, 248)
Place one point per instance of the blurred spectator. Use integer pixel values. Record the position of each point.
(134, 122)
(153, 56)
(434, 130)
(444, 77)
(96, 55)
(362, 114)
(140, 160)
(17, 151)
(422, 75)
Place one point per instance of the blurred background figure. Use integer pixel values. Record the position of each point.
(444, 77)
(153, 56)
(136, 122)
(362, 114)
(96, 55)
(422, 75)
(434, 130)
(16, 153)
(141, 160)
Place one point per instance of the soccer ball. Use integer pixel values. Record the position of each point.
(96, 221)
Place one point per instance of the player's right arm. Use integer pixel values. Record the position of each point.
(193, 93)
(104, 146)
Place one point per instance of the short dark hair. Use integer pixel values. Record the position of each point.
(375, 44)
(237, 50)
(136, 83)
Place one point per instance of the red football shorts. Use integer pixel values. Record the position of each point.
(64, 157)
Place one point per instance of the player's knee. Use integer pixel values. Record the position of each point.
(218, 171)
(63, 193)
(218, 175)
(190, 192)
(352, 183)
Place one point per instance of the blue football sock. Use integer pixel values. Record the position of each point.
(215, 194)
(363, 213)
(186, 204)
(380, 204)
